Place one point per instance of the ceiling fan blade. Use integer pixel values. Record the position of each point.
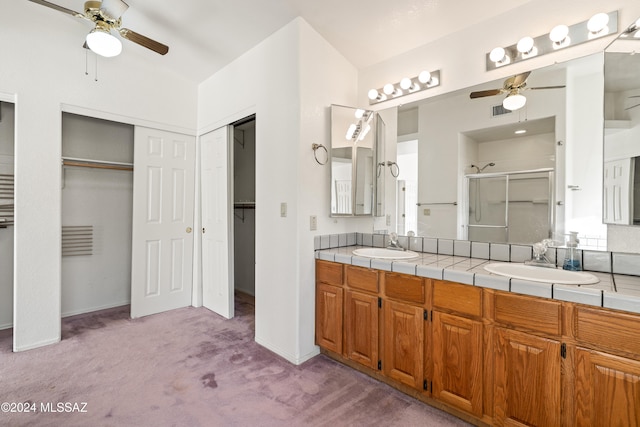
(547, 87)
(633, 106)
(58, 8)
(144, 41)
(483, 93)
(114, 8)
(519, 79)
(634, 96)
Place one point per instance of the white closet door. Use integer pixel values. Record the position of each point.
(217, 224)
(163, 199)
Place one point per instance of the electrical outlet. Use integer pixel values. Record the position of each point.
(388, 219)
(313, 223)
(427, 212)
(283, 209)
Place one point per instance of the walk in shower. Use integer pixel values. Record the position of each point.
(510, 207)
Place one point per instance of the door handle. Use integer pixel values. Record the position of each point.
(189, 229)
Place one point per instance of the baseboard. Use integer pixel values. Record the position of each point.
(92, 309)
(36, 345)
(296, 360)
(6, 326)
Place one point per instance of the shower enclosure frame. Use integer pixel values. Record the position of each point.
(545, 172)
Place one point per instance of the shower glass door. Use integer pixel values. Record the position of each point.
(488, 213)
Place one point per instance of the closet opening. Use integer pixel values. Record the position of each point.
(97, 203)
(244, 210)
(7, 138)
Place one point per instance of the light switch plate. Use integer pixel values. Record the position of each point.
(313, 223)
(283, 209)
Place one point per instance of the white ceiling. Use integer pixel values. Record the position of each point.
(205, 35)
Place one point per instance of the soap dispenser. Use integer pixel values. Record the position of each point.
(571, 258)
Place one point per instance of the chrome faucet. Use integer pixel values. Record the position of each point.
(393, 242)
(539, 258)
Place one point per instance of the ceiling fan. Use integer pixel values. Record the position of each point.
(512, 87)
(106, 15)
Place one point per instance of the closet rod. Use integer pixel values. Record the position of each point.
(98, 164)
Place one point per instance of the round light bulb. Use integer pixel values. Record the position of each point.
(388, 89)
(514, 102)
(525, 44)
(598, 22)
(424, 77)
(497, 54)
(405, 83)
(103, 43)
(373, 94)
(559, 33)
(359, 113)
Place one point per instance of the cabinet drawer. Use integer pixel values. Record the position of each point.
(463, 299)
(404, 288)
(530, 313)
(329, 272)
(608, 330)
(362, 278)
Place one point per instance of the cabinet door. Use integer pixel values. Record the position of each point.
(607, 390)
(457, 362)
(403, 343)
(526, 379)
(329, 317)
(361, 317)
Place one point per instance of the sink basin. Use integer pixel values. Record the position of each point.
(384, 253)
(542, 274)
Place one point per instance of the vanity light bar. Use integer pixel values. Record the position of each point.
(423, 81)
(560, 37)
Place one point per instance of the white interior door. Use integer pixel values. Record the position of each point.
(163, 199)
(217, 238)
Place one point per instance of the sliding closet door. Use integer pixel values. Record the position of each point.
(217, 241)
(163, 197)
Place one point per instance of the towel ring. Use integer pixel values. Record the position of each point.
(391, 165)
(315, 147)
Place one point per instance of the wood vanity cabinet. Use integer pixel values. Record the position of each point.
(457, 346)
(404, 329)
(607, 367)
(361, 316)
(527, 360)
(329, 305)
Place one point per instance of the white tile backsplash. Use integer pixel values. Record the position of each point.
(445, 246)
(462, 248)
(626, 264)
(430, 245)
(499, 252)
(415, 244)
(521, 253)
(480, 250)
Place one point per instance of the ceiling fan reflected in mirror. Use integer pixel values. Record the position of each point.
(633, 96)
(107, 16)
(513, 86)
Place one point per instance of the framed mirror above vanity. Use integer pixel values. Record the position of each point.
(355, 155)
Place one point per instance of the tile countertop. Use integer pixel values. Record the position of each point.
(616, 291)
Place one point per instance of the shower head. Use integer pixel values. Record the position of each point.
(480, 169)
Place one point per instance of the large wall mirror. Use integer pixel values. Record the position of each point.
(473, 170)
(621, 178)
(356, 152)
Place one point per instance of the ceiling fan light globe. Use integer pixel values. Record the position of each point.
(514, 102)
(103, 43)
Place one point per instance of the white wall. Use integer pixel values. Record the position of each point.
(32, 40)
(289, 81)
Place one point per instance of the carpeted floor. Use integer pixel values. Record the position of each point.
(189, 367)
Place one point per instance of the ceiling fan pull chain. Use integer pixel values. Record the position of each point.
(86, 62)
(96, 78)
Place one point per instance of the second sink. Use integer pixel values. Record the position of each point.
(541, 274)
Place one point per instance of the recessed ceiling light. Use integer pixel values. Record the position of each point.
(520, 131)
